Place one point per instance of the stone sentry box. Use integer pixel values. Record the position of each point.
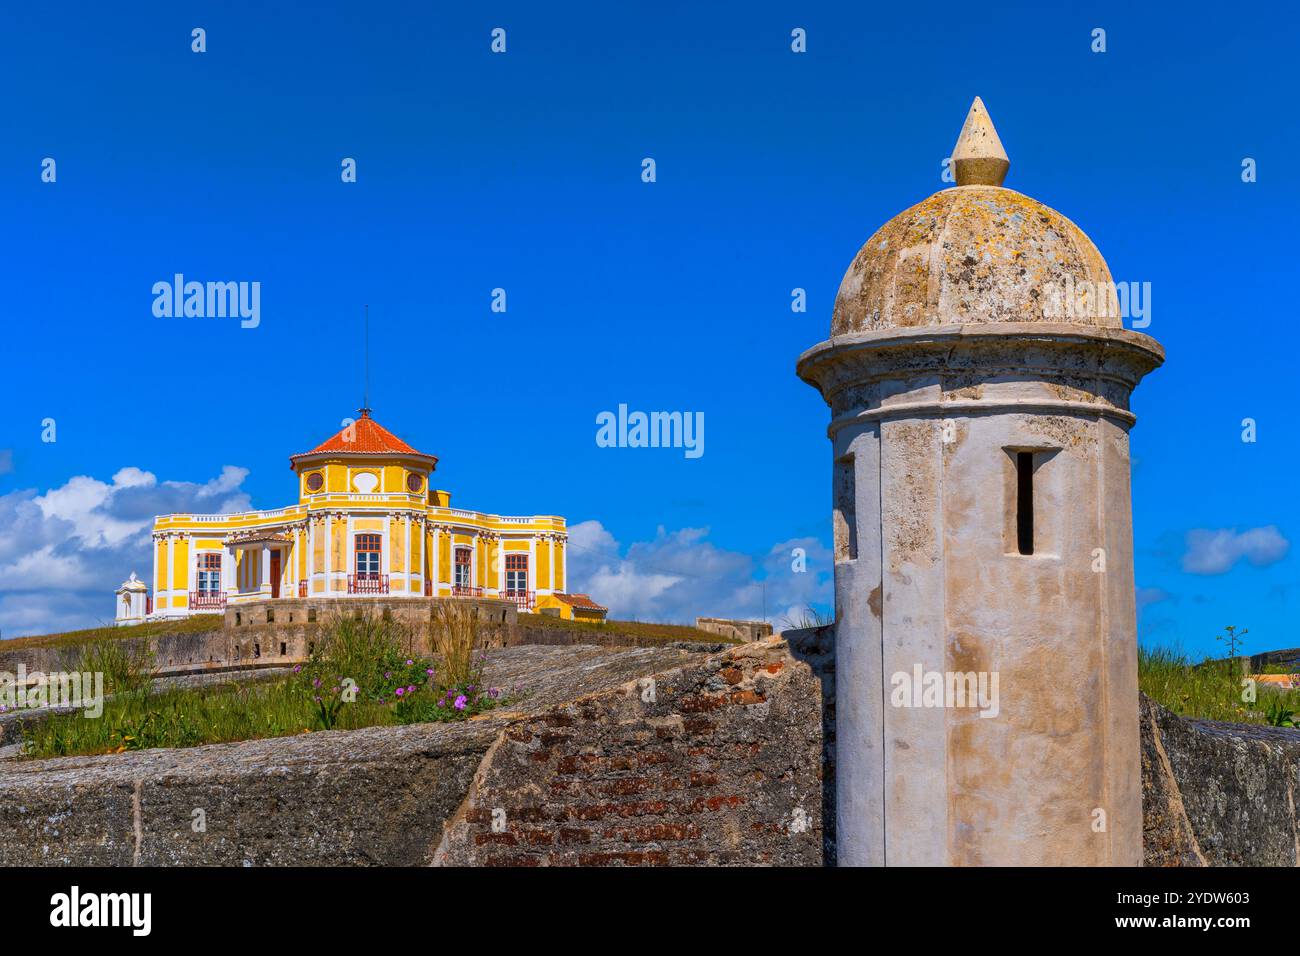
(982, 525)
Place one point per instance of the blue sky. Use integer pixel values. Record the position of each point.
(522, 171)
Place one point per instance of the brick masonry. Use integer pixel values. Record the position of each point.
(616, 757)
(715, 763)
(730, 761)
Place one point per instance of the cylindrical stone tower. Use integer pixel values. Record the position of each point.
(978, 377)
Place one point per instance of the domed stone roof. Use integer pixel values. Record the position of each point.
(976, 253)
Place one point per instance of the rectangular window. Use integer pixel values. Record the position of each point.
(516, 572)
(209, 573)
(1025, 502)
(463, 558)
(846, 518)
(369, 548)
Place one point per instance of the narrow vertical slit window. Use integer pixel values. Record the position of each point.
(846, 520)
(1025, 502)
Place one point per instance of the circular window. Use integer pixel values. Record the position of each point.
(414, 483)
(315, 481)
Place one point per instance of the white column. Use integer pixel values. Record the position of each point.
(266, 569)
(157, 591)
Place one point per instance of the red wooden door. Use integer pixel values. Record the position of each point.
(275, 573)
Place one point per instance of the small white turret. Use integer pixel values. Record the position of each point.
(132, 602)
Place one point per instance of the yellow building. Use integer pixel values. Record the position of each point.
(367, 522)
(571, 607)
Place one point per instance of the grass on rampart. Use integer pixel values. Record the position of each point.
(358, 676)
(197, 624)
(201, 623)
(1213, 690)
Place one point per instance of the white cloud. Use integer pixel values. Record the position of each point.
(63, 552)
(680, 575)
(1148, 596)
(1216, 551)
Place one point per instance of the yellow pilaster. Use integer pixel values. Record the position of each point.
(542, 573)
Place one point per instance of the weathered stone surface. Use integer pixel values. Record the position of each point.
(1255, 664)
(1217, 794)
(378, 795)
(978, 377)
(258, 643)
(972, 254)
(735, 629)
(721, 766)
(717, 762)
(815, 646)
(978, 159)
(588, 772)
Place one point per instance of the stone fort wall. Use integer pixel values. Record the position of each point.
(282, 633)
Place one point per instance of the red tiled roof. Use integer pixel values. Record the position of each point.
(368, 437)
(580, 600)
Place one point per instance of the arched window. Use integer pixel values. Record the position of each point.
(368, 550)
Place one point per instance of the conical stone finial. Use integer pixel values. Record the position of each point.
(978, 158)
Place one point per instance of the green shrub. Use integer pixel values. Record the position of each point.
(357, 677)
(450, 705)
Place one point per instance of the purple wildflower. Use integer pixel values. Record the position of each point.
(461, 702)
(400, 691)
